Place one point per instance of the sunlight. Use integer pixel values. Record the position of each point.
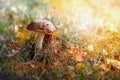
(87, 13)
(60, 39)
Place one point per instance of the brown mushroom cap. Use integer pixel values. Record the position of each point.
(43, 26)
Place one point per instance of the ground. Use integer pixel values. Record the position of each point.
(85, 45)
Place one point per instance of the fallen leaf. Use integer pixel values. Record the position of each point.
(95, 66)
(28, 66)
(113, 62)
(105, 67)
(80, 56)
(80, 65)
(109, 52)
(117, 57)
(90, 55)
(55, 33)
(70, 67)
(22, 35)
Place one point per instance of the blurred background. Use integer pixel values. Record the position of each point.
(82, 20)
(70, 14)
(84, 26)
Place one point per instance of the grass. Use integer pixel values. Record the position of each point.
(58, 61)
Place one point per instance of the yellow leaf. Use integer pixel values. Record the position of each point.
(109, 52)
(113, 62)
(22, 35)
(55, 33)
(80, 65)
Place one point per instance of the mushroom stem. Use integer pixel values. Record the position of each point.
(39, 41)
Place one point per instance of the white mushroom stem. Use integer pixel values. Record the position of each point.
(39, 41)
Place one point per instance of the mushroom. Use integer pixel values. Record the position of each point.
(42, 27)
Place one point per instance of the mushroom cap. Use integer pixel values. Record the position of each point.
(42, 26)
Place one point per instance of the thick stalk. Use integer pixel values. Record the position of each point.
(39, 41)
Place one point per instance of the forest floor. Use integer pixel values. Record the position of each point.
(90, 53)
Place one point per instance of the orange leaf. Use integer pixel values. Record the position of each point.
(55, 33)
(105, 67)
(90, 55)
(117, 57)
(113, 62)
(80, 65)
(109, 54)
(95, 66)
(22, 35)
